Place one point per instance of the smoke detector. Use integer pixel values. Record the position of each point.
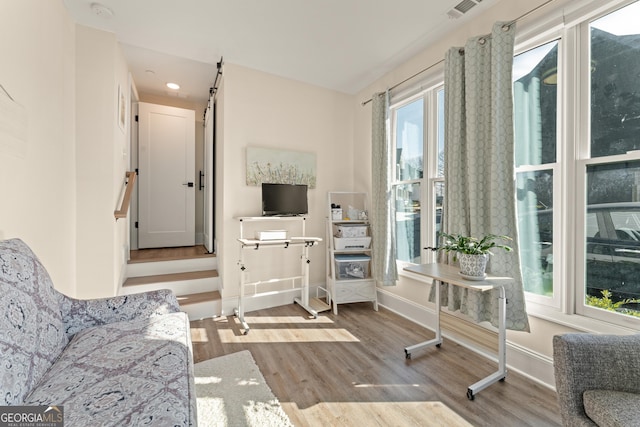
(101, 10)
(461, 8)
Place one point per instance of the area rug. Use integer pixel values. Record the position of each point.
(232, 392)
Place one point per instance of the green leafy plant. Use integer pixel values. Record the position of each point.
(471, 245)
(606, 303)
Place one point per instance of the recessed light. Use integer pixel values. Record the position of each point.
(174, 86)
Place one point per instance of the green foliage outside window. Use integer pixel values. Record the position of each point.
(606, 303)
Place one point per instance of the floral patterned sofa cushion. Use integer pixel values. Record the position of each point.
(124, 373)
(128, 362)
(31, 327)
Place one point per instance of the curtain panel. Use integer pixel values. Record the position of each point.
(479, 167)
(384, 269)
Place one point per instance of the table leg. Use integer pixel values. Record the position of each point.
(437, 341)
(239, 312)
(501, 374)
(303, 301)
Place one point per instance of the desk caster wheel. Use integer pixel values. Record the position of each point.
(470, 394)
(407, 355)
(438, 345)
(246, 331)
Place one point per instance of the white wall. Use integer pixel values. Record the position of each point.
(101, 162)
(261, 110)
(37, 47)
(60, 194)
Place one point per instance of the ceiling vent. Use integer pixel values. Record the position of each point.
(461, 8)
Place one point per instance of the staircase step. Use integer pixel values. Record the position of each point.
(169, 254)
(198, 298)
(170, 267)
(173, 277)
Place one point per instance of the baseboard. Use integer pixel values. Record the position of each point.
(123, 268)
(533, 365)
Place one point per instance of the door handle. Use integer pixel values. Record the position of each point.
(189, 184)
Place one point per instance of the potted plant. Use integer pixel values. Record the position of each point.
(472, 252)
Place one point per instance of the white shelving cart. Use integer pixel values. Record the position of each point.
(349, 250)
(265, 237)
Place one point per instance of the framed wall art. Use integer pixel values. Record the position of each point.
(122, 108)
(280, 167)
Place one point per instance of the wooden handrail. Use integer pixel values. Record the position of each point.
(126, 199)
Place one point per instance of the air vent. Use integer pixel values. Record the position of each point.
(461, 8)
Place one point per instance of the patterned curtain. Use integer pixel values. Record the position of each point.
(384, 267)
(479, 167)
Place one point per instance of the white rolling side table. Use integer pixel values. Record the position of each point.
(451, 275)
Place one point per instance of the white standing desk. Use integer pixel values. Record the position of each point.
(304, 242)
(451, 275)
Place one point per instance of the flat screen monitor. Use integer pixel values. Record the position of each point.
(284, 199)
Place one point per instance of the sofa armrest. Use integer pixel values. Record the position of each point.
(593, 362)
(80, 314)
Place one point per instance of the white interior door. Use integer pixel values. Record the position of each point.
(208, 177)
(166, 176)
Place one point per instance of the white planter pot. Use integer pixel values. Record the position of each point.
(472, 265)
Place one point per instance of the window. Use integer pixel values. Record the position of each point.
(535, 101)
(577, 158)
(408, 173)
(418, 182)
(615, 87)
(610, 171)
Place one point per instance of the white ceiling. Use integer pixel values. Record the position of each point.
(338, 44)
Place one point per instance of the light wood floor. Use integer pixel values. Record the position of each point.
(350, 370)
(168, 254)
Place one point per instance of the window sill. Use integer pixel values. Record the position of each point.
(577, 321)
(404, 273)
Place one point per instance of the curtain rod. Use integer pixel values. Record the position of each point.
(524, 15)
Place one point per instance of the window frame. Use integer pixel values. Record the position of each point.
(573, 158)
(428, 93)
(583, 161)
(557, 169)
(394, 180)
(433, 177)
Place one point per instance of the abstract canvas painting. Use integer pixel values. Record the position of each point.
(280, 167)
